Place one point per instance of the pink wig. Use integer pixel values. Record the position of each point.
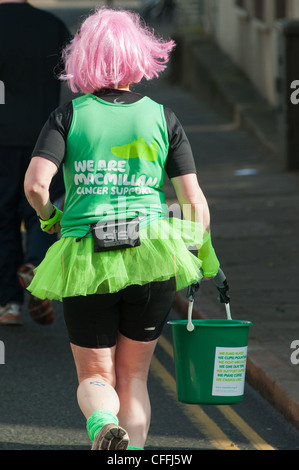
(113, 48)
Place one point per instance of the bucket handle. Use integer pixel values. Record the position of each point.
(222, 286)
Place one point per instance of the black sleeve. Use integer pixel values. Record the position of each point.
(180, 159)
(51, 143)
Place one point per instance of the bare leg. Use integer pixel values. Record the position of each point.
(97, 379)
(132, 365)
(95, 370)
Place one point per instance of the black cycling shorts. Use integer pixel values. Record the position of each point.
(137, 312)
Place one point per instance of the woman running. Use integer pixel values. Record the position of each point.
(121, 257)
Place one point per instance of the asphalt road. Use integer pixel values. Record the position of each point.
(38, 407)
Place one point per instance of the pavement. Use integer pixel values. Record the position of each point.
(253, 200)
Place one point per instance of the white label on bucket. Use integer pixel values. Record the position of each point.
(229, 371)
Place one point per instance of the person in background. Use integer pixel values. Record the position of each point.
(120, 258)
(31, 42)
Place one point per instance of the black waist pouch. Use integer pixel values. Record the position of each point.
(114, 234)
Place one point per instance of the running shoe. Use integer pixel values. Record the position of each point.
(111, 437)
(25, 274)
(10, 314)
(41, 311)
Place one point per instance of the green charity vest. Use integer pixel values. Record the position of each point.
(114, 164)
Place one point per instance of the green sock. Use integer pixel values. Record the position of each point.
(97, 420)
(134, 448)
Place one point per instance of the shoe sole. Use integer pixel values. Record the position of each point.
(41, 311)
(11, 320)
(111, 437)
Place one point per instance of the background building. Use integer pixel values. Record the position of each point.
(247, 31)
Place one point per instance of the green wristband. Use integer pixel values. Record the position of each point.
(46, 225)
(210, 263)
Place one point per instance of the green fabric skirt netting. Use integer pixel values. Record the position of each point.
(72, 268)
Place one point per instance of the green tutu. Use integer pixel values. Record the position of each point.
(72, 268)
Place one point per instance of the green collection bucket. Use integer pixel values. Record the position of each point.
(210, 361)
